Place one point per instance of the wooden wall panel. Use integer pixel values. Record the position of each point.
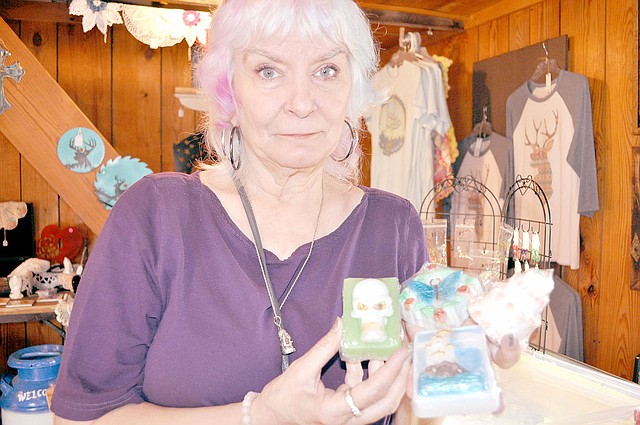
(463, 51)
(177, 122)
(584, 21)
(41, 39)
(136, 99)
(519, 29)
(619, 338)
(544, 21)
(84, 72)
(9, 171)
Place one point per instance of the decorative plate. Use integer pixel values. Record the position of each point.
(80, 149)
(116, 176)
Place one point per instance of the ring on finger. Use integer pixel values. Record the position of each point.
(352, 405)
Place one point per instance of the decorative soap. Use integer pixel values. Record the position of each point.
(437, 297)
(371, 319)
(452, 373)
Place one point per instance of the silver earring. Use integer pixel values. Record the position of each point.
(354, 142)
(235, 135)
(223, 142)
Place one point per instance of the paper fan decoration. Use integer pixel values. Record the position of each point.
(10, 213)
(96, 13)
(166, 27)
(80, 150)
(116, 176)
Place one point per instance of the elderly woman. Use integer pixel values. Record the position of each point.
(203, 288)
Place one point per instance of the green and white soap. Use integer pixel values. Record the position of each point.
(371, 327)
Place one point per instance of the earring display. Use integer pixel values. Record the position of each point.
(486, 262)
(535, 248)
(517, 266)
(526, 240)
(526, 255)
(435, 233)
(504, 241)
(464, 237)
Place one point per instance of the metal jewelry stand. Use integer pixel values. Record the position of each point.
(541, 224)
(492, 215)
(486, 214)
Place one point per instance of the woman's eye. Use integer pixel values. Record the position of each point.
(267, 73)
(327, 72)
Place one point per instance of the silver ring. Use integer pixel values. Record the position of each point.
(349, 400)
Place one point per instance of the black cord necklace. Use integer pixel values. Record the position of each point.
(286, 342)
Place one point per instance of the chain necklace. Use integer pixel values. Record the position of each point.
(286, 342)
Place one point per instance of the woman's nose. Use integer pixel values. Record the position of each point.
(301, 100)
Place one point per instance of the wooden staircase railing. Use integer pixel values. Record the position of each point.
(40, 113)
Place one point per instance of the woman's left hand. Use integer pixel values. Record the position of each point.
(507, 353)
(298, 396)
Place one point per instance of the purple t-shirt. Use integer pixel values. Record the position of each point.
(172, 307)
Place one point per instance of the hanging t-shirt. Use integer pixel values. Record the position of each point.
(489, 161)
(552, 133)
(401, 132)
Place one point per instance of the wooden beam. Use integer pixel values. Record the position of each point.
(503, 8)
(21, 10)
(412, 10)
(40, 113)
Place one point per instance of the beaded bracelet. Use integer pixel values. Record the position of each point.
(246, 407)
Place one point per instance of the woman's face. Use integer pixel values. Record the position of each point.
(291, 101)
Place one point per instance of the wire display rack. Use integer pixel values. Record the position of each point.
(472, 225)
(531, 221)
(471, 236)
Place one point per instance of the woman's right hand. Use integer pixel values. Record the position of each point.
(298, 396)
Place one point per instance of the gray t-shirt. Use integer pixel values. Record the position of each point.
(172, 307)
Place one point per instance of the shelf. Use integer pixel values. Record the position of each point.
(191, 99)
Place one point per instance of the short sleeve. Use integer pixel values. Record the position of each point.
(116, 310)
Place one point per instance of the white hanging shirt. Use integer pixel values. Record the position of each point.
(401, 128)
(552, 133)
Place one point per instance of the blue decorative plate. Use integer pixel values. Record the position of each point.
(116, 176)
(80, 149)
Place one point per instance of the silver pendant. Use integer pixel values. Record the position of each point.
(286, 343)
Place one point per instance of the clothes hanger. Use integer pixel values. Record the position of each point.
(548, 67)
(410, 49)
(483, 128)
(405, 52)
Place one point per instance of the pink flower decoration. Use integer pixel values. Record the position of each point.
(191, 18)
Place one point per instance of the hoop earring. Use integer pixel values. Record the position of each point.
(235, 135)
(354, 142)
(223, 142)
